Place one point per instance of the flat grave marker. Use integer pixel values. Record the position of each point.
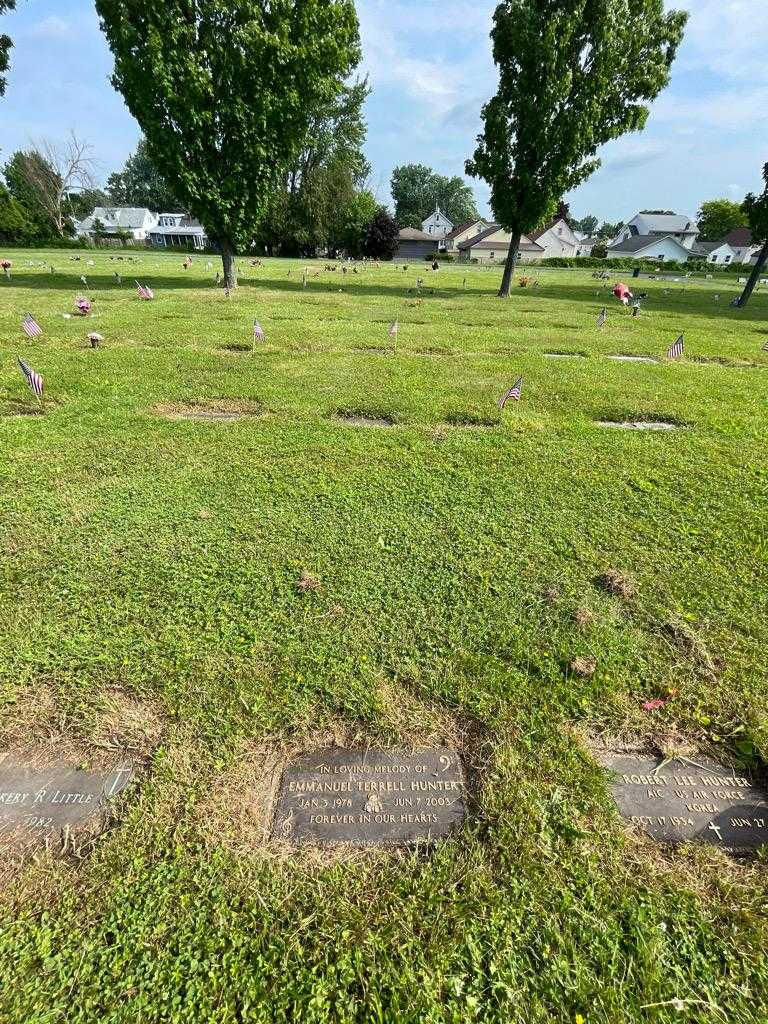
(690, 800)
(371, 797)
(38, 802)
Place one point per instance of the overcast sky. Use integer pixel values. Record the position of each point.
(430, 68)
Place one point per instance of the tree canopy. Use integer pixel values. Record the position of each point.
(381, 236)
(23, 190)
(587, 225)
(573, 74)
(417, 190)
(140, 183)
(224, 91)
(717, 217)
(5, 45)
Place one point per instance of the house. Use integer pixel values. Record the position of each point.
(437, 225)
(679, 227)
(715, 252)
(557, 238)
(177, 231)
(492, 246)
(134, 221)
(413, 244)
(585, 245)
(741, 244)
(650, 247)
(464, 232)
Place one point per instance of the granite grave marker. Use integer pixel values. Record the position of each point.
(371, 797)
(36, 802)
(681, 799)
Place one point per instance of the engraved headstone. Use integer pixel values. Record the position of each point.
(371, 797)
(37, 802)
(690, 800)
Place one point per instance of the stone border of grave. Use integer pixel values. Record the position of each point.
(359, 417)
(216, 410)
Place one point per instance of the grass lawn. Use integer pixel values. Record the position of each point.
(218, 591)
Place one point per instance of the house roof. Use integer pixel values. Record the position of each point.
(707, 247)
(542, 231)
(593, 240)
(118, 216)
(479, 241)
(414, 235)
(739, 237)
(464, 227)
(668, 223)
(636, 243)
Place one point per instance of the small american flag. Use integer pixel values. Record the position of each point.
(602, 317)
(514, 393)
(764, 347)
(144, 291)
(31, 327)
(393, 329)
(34, 379)
(676, 350)
(258, 331)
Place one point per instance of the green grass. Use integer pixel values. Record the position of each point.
(158, 559)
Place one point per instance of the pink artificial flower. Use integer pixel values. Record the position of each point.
(83, 306)
(5, 264)
(653, 705)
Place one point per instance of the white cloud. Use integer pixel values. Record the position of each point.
(53, 27)
(727, 37)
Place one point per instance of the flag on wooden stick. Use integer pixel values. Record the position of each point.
(602, 317)
(31, 327)
(258, 331)
(34, 379)
(144, 291)
(676, 350)
(514, 394)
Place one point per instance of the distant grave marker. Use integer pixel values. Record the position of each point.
(690, 800)
(371, 797)
(37, 802)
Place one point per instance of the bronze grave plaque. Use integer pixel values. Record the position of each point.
(690, 800)
(371, 797)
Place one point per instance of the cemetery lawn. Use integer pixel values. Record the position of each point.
(220, 590)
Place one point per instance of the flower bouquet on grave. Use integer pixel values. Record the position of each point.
(6, 265)
(83, 306)
(95, 339)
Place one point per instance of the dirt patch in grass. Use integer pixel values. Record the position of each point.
(225, 410)
(364, 418)
(433, 350)
(238, 347)
(13, 408)
(626, 358)
(643, 422)
(380, 350)
(471, 420)
(614, 582)
(733, 364)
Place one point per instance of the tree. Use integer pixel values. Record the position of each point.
(417, 190)
(15, 225)
(26, 195)
(141, 184)
(48, 174)
(381, 236)
(224, 91)
(321, 186)
(756, 209)
(573, 74)
(5, 45)
(717, 217)
(587, 225)
(608, 230)
(349, 229)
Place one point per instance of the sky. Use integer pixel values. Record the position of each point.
(430, 67)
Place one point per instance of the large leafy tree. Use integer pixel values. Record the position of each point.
(756, 209)
(323, 181)
(23, 191)
(223, 91)
(15, 225)
(43, 178)
(380, 242)
(587, 225)
(5, 45)
(719, 216)
(140, 183)
(417, 190)
(573, 74)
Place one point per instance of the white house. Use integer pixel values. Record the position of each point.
(492, 246)
(177, 231)
(650, 247)
(556, 239)
(660, 225)
(741, 243)
(585, 245)
(464, 232)
(716, 252)
(437, 225)
(136, 221)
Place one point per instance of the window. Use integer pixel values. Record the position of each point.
(714, 259)
(492, 255)
(727, 259)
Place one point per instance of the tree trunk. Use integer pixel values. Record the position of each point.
(509, 266)
(753, 277)
(230, 270)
